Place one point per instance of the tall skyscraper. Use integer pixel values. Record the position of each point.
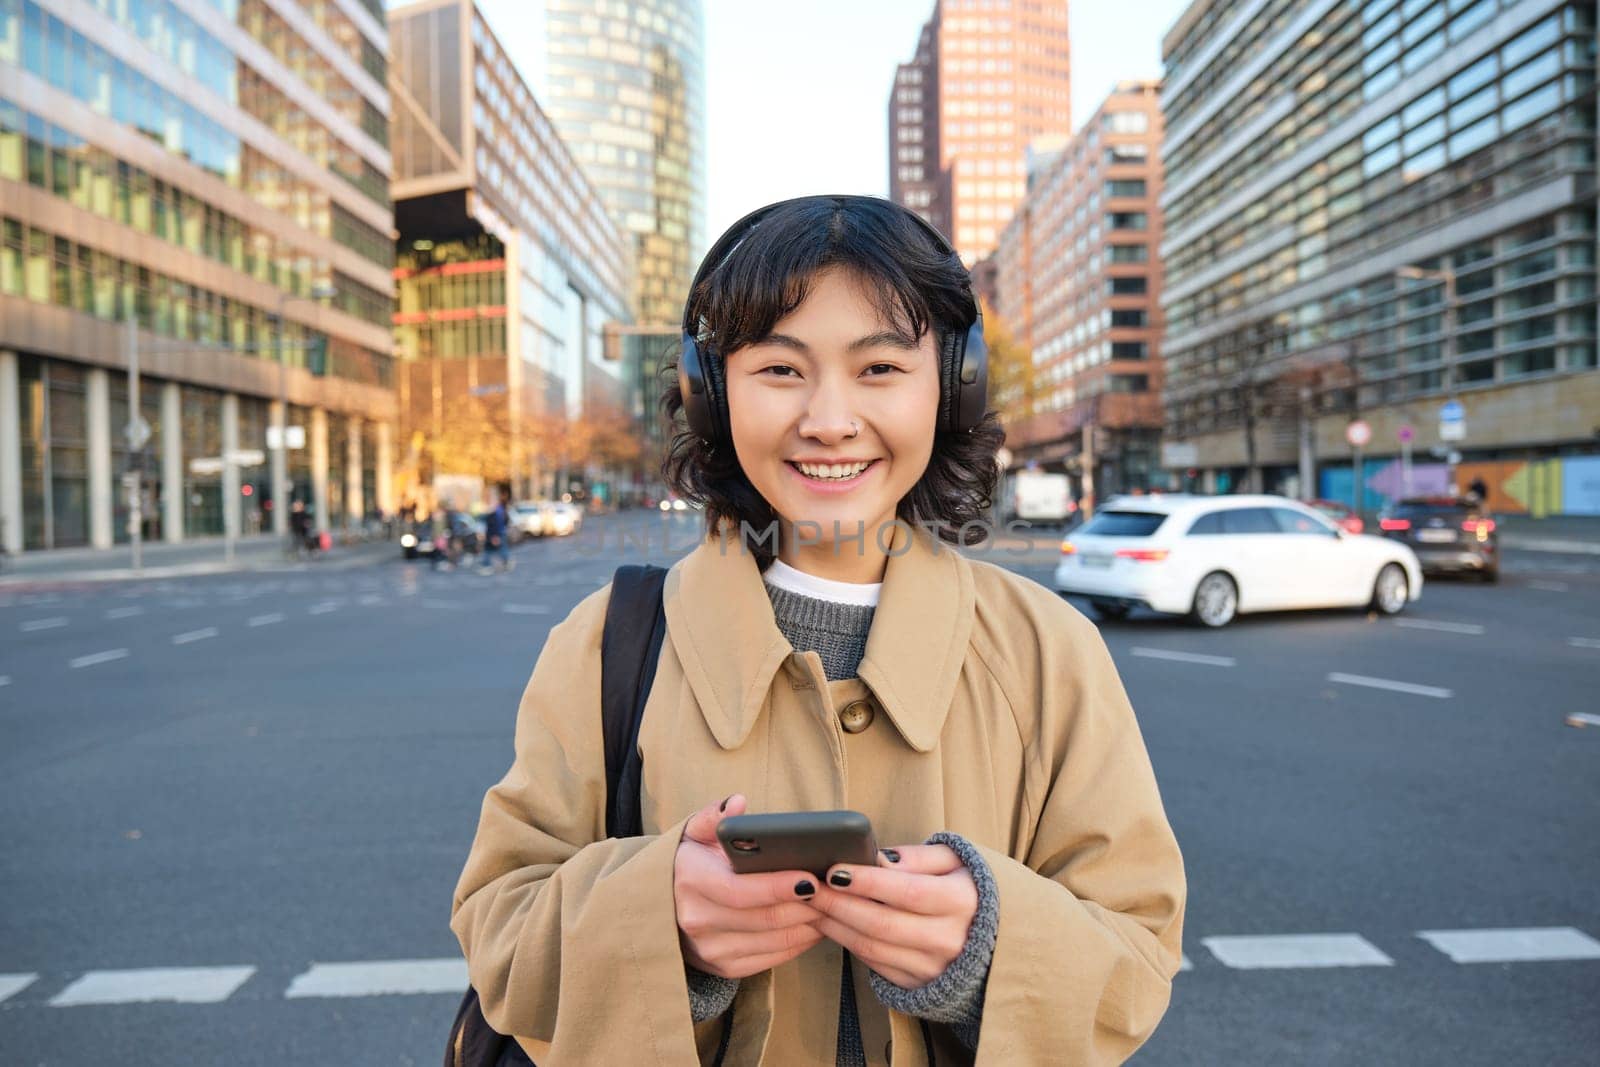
(1078, 283)
(509, 264)
(626, 90)
(989, 78)
(204, 169)
(1384, 212)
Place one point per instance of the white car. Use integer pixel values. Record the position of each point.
(528, 518)
(561, 518)
(1213, 557)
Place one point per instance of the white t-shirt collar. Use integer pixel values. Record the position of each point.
(783, 576)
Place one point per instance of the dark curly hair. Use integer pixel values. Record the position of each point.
(913, 284)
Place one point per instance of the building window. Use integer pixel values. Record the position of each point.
(1125, 187)
(1129, 253)
(1129, 350)
(1128, 220)
(1131, 286)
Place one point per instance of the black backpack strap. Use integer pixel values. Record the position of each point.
(630, 645)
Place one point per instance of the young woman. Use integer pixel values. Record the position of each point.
(827, 648)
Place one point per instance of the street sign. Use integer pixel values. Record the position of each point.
(138, 433)
(1406, 434)
(1175, 454)
(1358, 433)
(247, 457)
(206, 465)
(1452, 421)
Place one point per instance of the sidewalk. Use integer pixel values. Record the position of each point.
(190, 558)
(1576, 534)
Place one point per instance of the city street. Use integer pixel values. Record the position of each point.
(235, 807)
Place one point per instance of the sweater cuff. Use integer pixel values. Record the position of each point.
(709, 995)
(956, 996)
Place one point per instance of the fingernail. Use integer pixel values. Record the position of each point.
(804, 888)
(724, 806)
(840, 879)
(890, 854)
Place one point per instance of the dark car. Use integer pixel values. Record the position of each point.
(465, 536)
(1448, 534)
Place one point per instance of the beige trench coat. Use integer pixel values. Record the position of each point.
(996, 713)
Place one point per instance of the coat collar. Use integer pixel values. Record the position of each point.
(720, 622)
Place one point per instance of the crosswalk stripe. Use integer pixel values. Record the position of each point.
(192, 636)
(124, 613)
(1470, 628)
(1184, 657)
(1295, 951)
(380, 977)
(182, 985)
(1390, 684)
(267, 619)
(35, 625)
(95, 658)
(12, 984)
(524, 609)
(1533, 944)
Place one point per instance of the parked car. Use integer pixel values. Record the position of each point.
(561, 518)
(1215, 557)
(1448, 534)
(527, 519)
(1341, 514)
(466, 535)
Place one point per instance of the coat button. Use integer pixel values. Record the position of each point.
(856, 716)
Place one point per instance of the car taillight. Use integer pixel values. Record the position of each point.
(1354, 525)
(1143, 555)
(1395, 524)
(1479, 526)
(1068, 548)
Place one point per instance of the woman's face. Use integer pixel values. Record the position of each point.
(792, 399)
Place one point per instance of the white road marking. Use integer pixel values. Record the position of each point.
(322, 608)
(266, 620)
(1184, 657)
(1185, 964)
(124, 613)
(12, 984)
(35, 625)
(1393, 686)
(449, 605)
(1443, 627)
(371, 599)
(379, 978)
(183, 985)
(1549, 587)
(1584, 642)
(1535, 944)
(96, 658)
(524, 609)
(1583, 718)
(5, 680)
(191, 636)
(1296, 950)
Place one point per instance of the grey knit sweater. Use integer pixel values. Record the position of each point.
(838, 633)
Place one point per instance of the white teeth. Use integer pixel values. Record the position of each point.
(832, 470)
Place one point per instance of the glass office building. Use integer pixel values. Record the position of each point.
(1383, 210)
(201, 168)
(626, 90)
(509, 264)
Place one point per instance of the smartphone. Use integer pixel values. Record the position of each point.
(797, 841)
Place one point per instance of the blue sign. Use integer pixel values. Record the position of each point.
(1452, 411)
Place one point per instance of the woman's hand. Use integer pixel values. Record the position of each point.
(907, 920)
(736, 925)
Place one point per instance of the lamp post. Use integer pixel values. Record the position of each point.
(284, 489)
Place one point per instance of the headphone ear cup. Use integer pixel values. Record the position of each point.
(716, 396)
(972, 386)
(692, 388)
(949, 381)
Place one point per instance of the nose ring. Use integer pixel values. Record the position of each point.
(855, 428)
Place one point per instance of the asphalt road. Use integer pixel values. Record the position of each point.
(234, 809)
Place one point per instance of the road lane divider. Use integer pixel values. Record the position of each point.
(33, 626)
(524, 609)
(179, 985)
(191, 636)
(12, 984)
(1296, 951)
(1472, 628)
(124, 613)
(94, 659)
(1584, 642)
(1184, 657)
(1390, 684)
(267, 619)
(380, 978)
(1531, 945)
(323, 608)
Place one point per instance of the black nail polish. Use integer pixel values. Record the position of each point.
(890, 854)
(840, 879)
(804, 888)
(724, 806)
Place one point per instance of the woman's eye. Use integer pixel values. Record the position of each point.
(779, 370)
(885, 367)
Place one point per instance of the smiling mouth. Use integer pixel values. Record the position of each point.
(835, 472)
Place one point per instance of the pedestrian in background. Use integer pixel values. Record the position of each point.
(822, 655)
(497, 526)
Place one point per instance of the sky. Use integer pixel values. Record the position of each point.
(797, 93)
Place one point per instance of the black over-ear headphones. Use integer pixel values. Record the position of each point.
(963, 357)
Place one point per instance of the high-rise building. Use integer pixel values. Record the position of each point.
(1384, 212)
(205, 169)
(989, 78)
(1078, 284)
(509, 265)
(626, 90)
